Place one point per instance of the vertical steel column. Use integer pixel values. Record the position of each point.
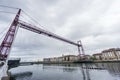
(81, 50)
(8, 40)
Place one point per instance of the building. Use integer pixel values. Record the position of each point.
(97, 56)
(46, 59)
(64, 58)
(70, 58)
(87, 57)
(108, 54)
(111, 54)
(59, 59)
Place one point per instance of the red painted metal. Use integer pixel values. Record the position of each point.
(9, 38)
(44, 32)
(81, 50)
(50, 34)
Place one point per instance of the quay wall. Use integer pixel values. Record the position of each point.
(42, 62)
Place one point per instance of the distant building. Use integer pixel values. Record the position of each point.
(46, 59)
(59, 59)
(97, 56)
(70, 58)
(64, 58)
(108, 54)
(87, 57)
(111, 54)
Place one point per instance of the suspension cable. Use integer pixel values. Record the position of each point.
(23, 17)
(36, 21)
(7, 12)
(3, 32)
(8, 7)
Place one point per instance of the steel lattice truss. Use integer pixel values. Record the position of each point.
(10, 36)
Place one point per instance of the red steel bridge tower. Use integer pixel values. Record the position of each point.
(6, 45)
(9, 38)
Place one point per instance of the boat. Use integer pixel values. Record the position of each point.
(14, 62)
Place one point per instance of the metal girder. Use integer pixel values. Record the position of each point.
(44, 32)
(9, 38)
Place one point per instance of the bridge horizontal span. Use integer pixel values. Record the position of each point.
(44, 32)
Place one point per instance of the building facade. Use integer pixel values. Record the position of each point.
(70, 58)
(108, 54)
(87, 57)
(64, 58)
(111, 54)
(97, 56)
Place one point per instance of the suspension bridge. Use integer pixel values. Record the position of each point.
(9, 38)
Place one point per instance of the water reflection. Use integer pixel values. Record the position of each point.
(89, 71)
(85, 71)
(112, 68)
(71, 68)
(63, 67)
(21, 76)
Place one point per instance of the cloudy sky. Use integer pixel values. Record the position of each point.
(95, 22)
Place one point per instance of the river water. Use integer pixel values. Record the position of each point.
(89, 71)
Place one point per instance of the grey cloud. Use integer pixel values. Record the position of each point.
(95, 22)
